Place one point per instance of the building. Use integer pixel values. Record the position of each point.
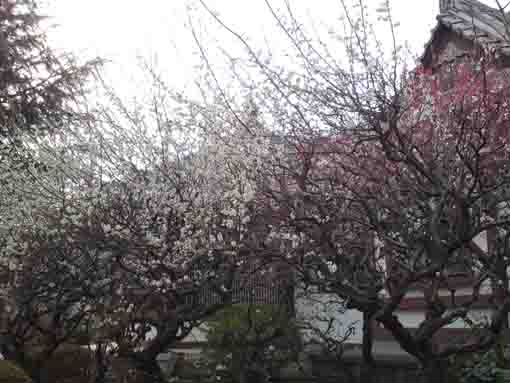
(463, 26)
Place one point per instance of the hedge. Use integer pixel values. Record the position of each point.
(10, 373)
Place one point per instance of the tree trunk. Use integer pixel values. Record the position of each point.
(249, 372)
(102, 365)
(368, 367)
(37, 375)
(367, 372)
(149, 371)
(435, 371)
(252, 376)
(243, 376)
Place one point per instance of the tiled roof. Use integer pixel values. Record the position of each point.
(475, 21)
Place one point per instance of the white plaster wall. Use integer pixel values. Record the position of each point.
(325, 313)
(481, 241)
(198, 334)
(413, 319)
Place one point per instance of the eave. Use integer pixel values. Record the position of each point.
(473, 21)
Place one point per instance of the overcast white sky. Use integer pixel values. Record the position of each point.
(121, 30)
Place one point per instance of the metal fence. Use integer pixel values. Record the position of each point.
(253, 286)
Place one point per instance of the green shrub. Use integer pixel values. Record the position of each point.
(484, 369)
(251, 340)
(196, 371)
(492, 366)
(10, 373)
(125, 371)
